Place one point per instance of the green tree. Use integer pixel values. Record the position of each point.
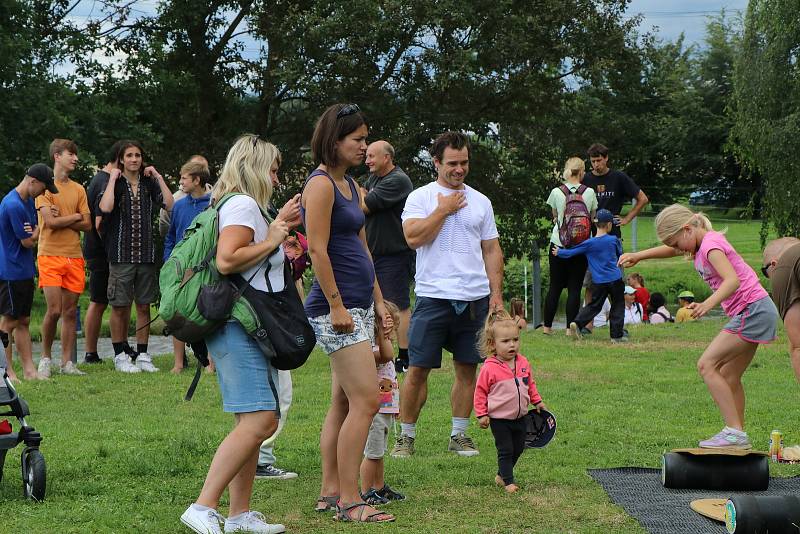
(766, 131)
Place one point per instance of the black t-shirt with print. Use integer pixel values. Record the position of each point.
(613, 189)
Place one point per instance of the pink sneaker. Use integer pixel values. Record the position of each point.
(727, 440)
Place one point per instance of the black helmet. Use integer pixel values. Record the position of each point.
(540, 428)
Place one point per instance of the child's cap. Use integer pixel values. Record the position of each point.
(686, 294)
(603, 216)
(629, 290)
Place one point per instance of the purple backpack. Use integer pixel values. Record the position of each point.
(575, 228)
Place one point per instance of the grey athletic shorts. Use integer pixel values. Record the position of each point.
(757, 323)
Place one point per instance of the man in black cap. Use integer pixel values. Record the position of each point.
(18, 235)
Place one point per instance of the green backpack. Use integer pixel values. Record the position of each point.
(195, 298)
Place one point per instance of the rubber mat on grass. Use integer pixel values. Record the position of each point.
(666, 511)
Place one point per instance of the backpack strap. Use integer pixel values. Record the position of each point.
(564, 189)
(581, 189)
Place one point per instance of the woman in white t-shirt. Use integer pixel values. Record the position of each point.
(566, 272)
(246, 379)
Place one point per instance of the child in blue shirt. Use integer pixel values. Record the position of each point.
(602, 252)
(194, 176)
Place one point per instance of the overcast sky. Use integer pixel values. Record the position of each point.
(687, 16)
(666, 18)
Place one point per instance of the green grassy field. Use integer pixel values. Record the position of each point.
(126, 454)
(668, 277)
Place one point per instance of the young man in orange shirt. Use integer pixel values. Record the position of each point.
(62, 217)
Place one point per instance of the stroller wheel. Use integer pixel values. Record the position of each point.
(34, 474)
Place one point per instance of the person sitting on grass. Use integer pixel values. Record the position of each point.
(636, 281)
(504, 390)
(374, 488)
(685, 300)
(602, 251)
(194, 177)
(634, 314)
(658, 311)
(753, 315)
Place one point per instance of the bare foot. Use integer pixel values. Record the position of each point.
(176, 370)
(13, 378)
(512, 488)
(499, 481)
(547, 330)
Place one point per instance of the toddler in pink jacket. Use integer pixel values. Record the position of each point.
(504, 390)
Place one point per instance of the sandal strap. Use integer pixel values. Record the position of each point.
(344, 513)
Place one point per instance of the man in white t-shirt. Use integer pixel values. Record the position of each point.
(459, 276)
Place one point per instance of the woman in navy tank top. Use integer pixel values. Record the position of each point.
(342, 306)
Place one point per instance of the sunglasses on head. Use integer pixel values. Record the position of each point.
(256, 139)
(348, 109)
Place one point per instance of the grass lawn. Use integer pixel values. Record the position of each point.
(126, 454)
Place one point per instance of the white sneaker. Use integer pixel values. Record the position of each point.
(44, 368)
(203, 522)
(144, 363)
(253, 522)
(70, 368)
(122, 363)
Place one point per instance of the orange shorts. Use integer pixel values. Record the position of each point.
(56, 271)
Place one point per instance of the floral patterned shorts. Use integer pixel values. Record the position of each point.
(330, 340)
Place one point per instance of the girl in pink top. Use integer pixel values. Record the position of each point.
(505, 388)
(736, 287)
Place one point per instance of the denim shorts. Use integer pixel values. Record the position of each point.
(330, 340)
(436, 325)
(395, 273)
(757, 323)
(247, 381)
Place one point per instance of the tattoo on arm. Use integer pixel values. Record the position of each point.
(335, 295)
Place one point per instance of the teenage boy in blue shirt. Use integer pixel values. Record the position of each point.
(18, 235)
(602, 252)
(194, 177)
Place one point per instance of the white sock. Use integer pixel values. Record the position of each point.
(200, 507)
(735, 432)
(237, 517)
(408, 429)
(460, 425)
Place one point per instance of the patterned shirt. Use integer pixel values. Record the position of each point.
(127, 231)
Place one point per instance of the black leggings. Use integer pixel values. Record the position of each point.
(509, 438)
(564, 273)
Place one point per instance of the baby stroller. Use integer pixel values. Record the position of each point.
(34, 471)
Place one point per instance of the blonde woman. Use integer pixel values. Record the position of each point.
(566, 272)
(753, 316)
(247, 381)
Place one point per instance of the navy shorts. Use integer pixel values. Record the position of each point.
(435, 325)
(394, 273)
(16, 298)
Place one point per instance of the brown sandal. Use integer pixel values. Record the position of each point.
(326, 503)
(343, 514)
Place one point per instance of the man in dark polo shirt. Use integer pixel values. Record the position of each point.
(613, 189)
(383, 199)
(782, 267)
